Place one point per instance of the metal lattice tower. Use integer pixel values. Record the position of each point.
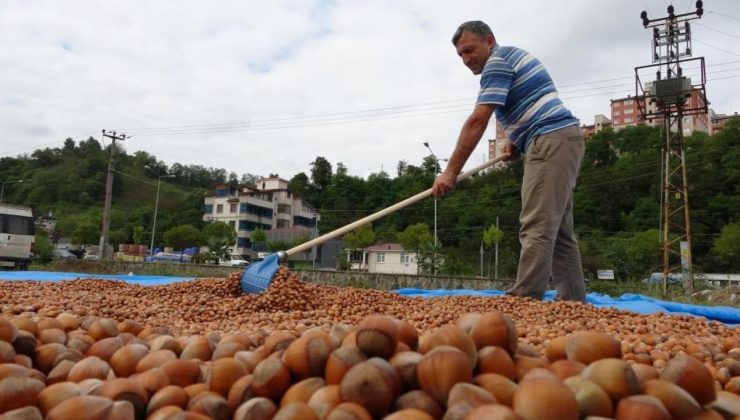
(667, 100)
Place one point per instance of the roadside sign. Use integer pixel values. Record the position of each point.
(605, 274)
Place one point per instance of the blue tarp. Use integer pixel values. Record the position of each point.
(59, 276)
(627, 302)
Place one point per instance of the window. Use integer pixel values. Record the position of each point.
(405, 258)
(380, 257)
(232, 208)
(628, 102)
(627, 120)
(355, 255)
(616, 113)
(628, 110)
(219, 208)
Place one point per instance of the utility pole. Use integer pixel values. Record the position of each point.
(102, 254)
(668, 99)
(437, 168)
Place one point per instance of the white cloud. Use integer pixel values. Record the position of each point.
(243, 77)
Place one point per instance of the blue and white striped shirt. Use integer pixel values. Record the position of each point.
(527, 103)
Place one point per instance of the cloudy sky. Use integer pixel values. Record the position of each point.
(267, 86)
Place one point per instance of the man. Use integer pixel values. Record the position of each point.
(517, 87)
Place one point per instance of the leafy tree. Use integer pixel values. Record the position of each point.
(299, 184)
(42, 247)
(86, 233)
(139, 235)
(492, 236)
(430, 165)
(182, 236)
(342, 169)
(418, 238)
(118, 236)
(218, 236)
(634, 255)
(259, 238)
(727, 245)
(361, 237)
(321, 173)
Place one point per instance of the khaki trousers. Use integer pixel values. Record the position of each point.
(549, 246)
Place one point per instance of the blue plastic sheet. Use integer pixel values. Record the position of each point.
(60, 276)
(627, 302)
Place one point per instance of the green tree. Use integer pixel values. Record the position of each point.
(139, 235)
(727, 245)
(259, 238)
(299, 184)
(182, 236)
(321, 173)
(361, 237)
(86, 233)
(492, 236)
(419, 238)
(42, 247)
(218, 236)
(415, 236)
(634, 255)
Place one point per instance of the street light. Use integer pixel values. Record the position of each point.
(436, 171)
(2, 191)
(156, 205)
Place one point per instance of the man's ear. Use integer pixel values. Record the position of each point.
(490, 40)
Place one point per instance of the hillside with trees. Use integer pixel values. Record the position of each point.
(617, 209)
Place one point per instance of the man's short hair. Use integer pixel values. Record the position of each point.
(474, 26)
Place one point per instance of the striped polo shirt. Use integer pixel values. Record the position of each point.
(527, 103)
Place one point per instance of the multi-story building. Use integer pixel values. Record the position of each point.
(268, 206)
(496, 146)
(627, 112)
(600, 123)
(718, 121)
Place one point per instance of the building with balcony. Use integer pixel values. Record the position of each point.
(269, 205)
(627, 112)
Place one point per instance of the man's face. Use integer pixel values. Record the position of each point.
(474, 50)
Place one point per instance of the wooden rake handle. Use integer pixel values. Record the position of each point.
(386, 211)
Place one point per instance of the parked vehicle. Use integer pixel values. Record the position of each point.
(17, 233)
(63, 254)
(234, 260)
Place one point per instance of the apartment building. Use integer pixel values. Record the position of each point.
(718, 121)
(626, 112)
(268, 206)
(600, 123)
(496, 145)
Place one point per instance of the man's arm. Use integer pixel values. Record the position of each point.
(470, 135)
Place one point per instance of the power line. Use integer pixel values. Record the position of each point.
(722, 14)
(717, 30)
(717, 48)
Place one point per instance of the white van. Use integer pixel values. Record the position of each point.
(234, 260)
(16, 236)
